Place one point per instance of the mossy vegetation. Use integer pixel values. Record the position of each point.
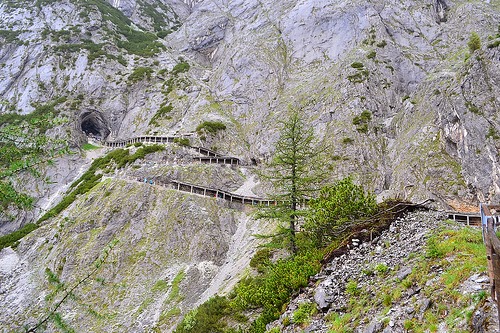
(361, 121)
(182, 141)
(361, 75)
(95, 50)
(162, 113)
(12, 238)
(140, 73)
(10, 36)
(210, 127)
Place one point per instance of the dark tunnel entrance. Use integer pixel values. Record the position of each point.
(93, 125)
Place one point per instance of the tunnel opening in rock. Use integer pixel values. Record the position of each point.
(94, 125)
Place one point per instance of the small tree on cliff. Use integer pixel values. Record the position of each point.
(295, 172)
(338, 207)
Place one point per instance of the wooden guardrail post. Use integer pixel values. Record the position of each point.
(492, 243)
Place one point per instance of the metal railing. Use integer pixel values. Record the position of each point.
(490, 218)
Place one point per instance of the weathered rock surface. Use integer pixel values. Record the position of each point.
(174, 250)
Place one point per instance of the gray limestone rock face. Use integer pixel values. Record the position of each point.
(173, 251)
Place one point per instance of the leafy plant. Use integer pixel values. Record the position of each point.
(474, 42)
(12, 238)
(140, 73)
(361, 122)
(304, 313)
(338, 206)
(210, 127)
(352, 288)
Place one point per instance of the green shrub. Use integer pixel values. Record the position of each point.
(182, 141)
(361, 121)
(381, 269)
(210, 127)
(207, 318)
(161, 113)
(371, 55)
(140, 73)
(357, 65)
(336, 205)
(347, 140)
(12, 238)
(352, 289)
(261, 259)
(474, 42)
(304, 312)
(387, 300)
(273, 289)
(492, 133)
(182, 67)
(359, 77)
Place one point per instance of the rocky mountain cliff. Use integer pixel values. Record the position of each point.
(393, 87)
(430, 106)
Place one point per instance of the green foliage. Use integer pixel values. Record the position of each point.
(273, 289)
(207, 318)
(24, 147)
(474, 42)
(95, 50)
(160, 285)
(140, 73)
(295, 172)
(10, 36)
(261, 260)
(361, 122)
(387, 300)
(347, 140)
(304, 312)
(88, 146)
(9, 195)
(338, 205)
(492, 133)
(352, 289)
(182, 141)
(210, 127)
(381, 269)
(359, 77)
(135, 41)
(382, 44)
(371, 55)
(357, 65)
(472, 107)
(175, 290)
(162, 112)
(12, 238)
(181, 67)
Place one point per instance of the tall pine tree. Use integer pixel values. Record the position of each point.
(295, 172)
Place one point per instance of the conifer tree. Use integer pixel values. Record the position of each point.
(295, 172)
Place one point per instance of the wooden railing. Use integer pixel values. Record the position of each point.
(490, 217)
(210, 156)
(205, 191)
(466, 218)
